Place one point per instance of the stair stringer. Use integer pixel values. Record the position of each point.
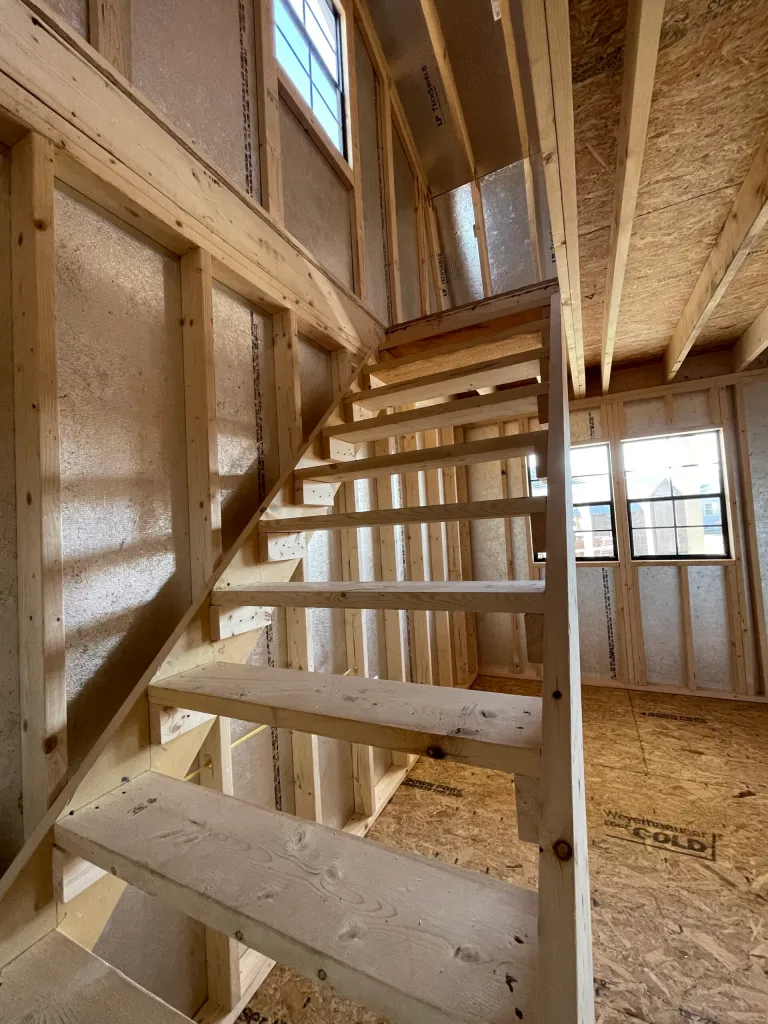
(122, 751)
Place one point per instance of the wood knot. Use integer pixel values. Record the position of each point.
(436, 752)
(50, 743)
(563, 850)
(322, 975)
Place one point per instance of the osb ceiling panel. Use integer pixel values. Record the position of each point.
(475, 46)
(475, 43)
(708, 115)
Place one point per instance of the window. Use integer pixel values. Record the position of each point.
(594, 526)
(676, 497)
(308, 46)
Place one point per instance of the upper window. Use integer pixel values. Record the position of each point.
(594, 525)
(308, 46)
(676, 496)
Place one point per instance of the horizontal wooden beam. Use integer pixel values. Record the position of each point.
(641, 48)
(498, 508)
(482, 596)
(490, 373)
(752, 343)
(746, 219)
(473, 314)
(119, 151)
(479, 409)
(497, 730)
(445, 456)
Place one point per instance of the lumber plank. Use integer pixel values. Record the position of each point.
(746, 219)
(489, 373)
(472, 315)
(408, 937)
(71, 875)
(641, 48)
(491, 730)
(459, 454)
(752, 343)
(482, 595)
(547, 42)
(42, 685)
(564, 920)
(268, 105)
(479, 409)
(497, 508)
(109, 31)
(57, 980)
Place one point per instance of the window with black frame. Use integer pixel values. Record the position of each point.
(308, 46)
(594, 524)
(676, 496)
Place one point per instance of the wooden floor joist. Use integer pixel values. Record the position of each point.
(483, 595)
(410, 938)
(492, 730)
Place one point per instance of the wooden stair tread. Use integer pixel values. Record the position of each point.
(478, 409)
(500, 508)
(492, 730)
(488, 373)
(408, 937)
(482, 595)
(57, 980)
(467, 453)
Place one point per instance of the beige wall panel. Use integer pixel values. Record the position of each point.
(187, 57)
(370, 170)
(660, 601)
(598, 622)
(709, 617)
(10, 750)
(317, 208)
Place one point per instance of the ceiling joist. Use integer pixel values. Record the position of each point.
(547, 37)
(746, 219)
(752, 343)
(641, 47)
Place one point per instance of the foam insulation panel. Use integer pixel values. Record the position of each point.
(372, 189)
(329, 654)
(506, 226)
(316, 383)
(124, 520)
(405, 40)
(461, 259)
(408, 249)
(709, 615)
(756, 409)
(661, 605)
(316, 201)
(597, 622)
(165, 954)
(195, 60)
(645, 417)
(691, 409)
(11, 833)
(75, 12)
(587, 425)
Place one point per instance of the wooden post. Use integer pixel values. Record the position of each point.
(422, 665)
(43, 694)
(109, 30)
(465, 543)
(268, 104)
(456, 568)
(445, 661)
(353, 143)
(222, 952)
(565, 939)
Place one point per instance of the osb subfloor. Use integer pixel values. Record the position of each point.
(678, 833)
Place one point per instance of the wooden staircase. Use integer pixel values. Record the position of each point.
(411, 938)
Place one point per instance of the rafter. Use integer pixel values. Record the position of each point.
(641, 49)
(746, 219)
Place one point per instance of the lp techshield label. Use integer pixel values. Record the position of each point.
(661, 835)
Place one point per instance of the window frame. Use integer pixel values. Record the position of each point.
(722, 495)
(340, 159)
(581, 559)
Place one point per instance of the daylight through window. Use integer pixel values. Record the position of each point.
(676, 496)
(593, 517)
(308, 46)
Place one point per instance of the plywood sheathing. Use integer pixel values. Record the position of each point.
(708, 115)
(679, 936)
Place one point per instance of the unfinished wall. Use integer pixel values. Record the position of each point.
(506, 227)
(461, 259)
(195, 60)
(408, 246)
(316, 201)
(10, 746)
(75, 12)
(370, 173)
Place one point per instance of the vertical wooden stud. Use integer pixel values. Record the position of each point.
(445, 660)
(43, 694)
(268, 105)
(390, 202)
(109, 30)
(353, 143)
(423, 668)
